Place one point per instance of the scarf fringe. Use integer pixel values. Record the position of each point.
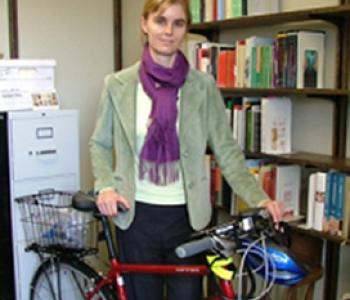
(160, 174)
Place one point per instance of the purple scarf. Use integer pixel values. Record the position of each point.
(160, 154)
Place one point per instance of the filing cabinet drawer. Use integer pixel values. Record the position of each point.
(44, 144)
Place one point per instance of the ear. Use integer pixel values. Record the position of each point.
(143, 24)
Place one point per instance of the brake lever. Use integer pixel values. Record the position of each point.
(280, 235)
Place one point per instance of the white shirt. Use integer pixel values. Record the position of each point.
(146, 191)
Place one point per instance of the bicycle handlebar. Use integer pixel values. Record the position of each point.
(195, 247)
(227, 238)
(86, 203)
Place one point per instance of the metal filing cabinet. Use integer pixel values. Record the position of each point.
(39, 151)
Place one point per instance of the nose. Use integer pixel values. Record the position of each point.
(169, 29)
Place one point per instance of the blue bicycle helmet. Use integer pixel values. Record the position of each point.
(287, 271)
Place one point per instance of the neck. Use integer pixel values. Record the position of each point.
(163, 60)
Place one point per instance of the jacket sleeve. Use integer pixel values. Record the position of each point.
(101, 143)
(228, 153)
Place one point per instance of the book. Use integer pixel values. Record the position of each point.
(209, 10)
(319, 200)
(276, 125)
(240, 62)
(300, 59)
(262, 7)
(288, 180)
(229, 9)
(248, 103)
(331, 183)
(251, 43)
(292, 54)
(281, 76)
(237, 8)
(310, 58)
(225, 66)
(310, 200)
(220, 8)
(336, 211)
(267, 179)
(346, 210)
(256, 120)
(195, 8)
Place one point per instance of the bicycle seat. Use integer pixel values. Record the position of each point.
(84, 202)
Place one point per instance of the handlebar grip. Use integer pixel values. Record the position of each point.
(194, 247)
(87, 203)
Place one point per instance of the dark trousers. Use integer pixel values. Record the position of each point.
(152, 238)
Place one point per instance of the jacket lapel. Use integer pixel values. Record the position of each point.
(192, 96)
(124, 100)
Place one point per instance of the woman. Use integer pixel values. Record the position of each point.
(155, 121)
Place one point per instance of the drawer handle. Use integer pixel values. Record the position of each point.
(46, 152)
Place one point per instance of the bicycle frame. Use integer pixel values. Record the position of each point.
(117, 269)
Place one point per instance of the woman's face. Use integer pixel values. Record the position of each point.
(165, 32)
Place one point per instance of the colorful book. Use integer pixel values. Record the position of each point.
(251, 43)
(288, 180)
(195, 7)
(310, 59)
(276, 125)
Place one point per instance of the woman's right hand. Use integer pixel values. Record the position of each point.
(108, 200)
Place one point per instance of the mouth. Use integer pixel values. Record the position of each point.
(166, 42)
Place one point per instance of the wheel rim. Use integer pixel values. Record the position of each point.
(73, 284)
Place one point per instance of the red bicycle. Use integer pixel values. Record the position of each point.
(63, 231)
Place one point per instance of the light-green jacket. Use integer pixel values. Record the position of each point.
(203, 122)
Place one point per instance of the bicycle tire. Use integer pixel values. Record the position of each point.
(76, 278)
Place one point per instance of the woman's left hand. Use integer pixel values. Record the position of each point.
(275, 209)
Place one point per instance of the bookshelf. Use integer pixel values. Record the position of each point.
(339, 17)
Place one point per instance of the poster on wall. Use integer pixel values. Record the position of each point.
(27, 84)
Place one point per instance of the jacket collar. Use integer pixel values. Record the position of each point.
(124, 99)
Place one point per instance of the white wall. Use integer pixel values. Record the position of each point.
(4, 30)
(79, 35)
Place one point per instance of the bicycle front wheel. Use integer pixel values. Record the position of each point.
(66, 280)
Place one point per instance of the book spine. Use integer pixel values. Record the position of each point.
(311, 200)
(338, 210)
(237, 8)
(195, 8)
(256, 116)
(249, 129)
(329, 196)
(319, 201)
(220, 10)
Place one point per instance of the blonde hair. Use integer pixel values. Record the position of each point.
(152, 6)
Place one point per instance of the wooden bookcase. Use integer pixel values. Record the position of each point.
(339, 16)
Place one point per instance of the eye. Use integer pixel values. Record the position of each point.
(180, 23)
(160, 20)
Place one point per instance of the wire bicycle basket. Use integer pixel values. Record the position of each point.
(51, 224)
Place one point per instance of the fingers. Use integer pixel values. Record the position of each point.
(108, 201)
(275, 208)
